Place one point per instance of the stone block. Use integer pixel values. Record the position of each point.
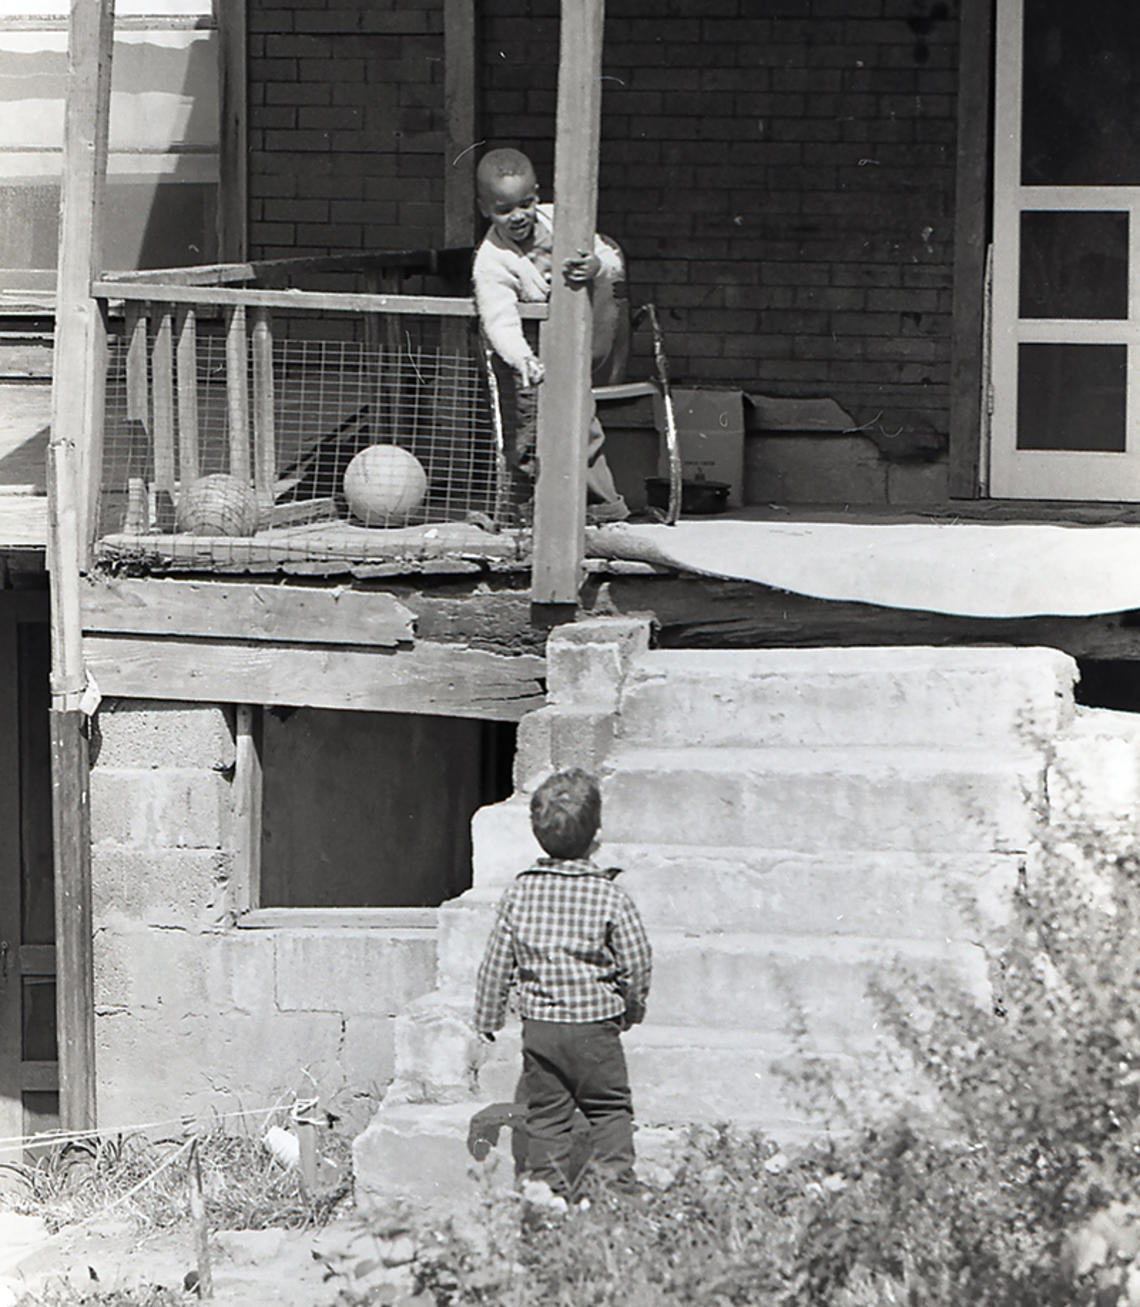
(1094, 781)
(420, 1151)
(152, 1068)
(811, 800)
(437, 1050)
(364, 972)
(182, 973)
(903, 696)
(161, 887)
(144, 733)
(587, 661)
(368, 1054)
(503, 843)
(162, 807)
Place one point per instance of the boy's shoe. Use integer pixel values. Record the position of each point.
(538, 1196)
(613, 510)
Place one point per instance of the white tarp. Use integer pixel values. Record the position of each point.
(972, 569)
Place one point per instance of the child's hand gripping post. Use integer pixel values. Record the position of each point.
(582, 268)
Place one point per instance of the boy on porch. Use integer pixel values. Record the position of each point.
(513, 265)
(574, 943)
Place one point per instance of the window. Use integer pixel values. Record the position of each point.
(371, 810)
(162, 178)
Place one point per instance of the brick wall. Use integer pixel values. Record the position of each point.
(781, 172)
(346, 127)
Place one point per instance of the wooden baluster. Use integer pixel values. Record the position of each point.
(189, 459)
(264, 431)
(237, 391)
(162, 379)
(138, 400)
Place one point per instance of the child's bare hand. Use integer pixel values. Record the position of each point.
(581, 268)
(531, 372)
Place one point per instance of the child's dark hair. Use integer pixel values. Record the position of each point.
(565, 813)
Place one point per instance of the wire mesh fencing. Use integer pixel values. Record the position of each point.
(227, 443)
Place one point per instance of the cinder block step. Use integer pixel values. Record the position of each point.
(841, 697)
(817, 987)
(814, 799)
(902, 895)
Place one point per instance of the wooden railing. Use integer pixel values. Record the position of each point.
(163, 313)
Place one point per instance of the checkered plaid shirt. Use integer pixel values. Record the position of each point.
(572, 941)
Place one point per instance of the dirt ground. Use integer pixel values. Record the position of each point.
(254, 1268)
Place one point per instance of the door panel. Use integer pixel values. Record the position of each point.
(29, 1075)
(1065, 355)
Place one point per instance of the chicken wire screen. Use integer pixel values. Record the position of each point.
(305, 447)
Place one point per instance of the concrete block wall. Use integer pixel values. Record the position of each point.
(780, 172)
(194, 1015)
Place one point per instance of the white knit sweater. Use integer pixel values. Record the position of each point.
(503, 276)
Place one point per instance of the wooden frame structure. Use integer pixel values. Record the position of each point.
(75, 450)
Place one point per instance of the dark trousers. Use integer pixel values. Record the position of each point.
(519, 405)
(570, 1066)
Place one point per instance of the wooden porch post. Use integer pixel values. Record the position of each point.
(564, 400)
(233, 186)
(80, 341)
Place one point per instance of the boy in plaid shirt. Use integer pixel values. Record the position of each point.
(575, 945)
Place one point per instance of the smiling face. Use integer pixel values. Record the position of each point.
(508, 203)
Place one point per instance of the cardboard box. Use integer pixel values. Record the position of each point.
(710, 433)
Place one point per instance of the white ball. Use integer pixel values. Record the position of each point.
(218, 505)
(384, 483)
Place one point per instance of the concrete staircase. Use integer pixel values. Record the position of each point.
(795, 826)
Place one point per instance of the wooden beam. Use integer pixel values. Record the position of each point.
(233, 181)
(446, 680)
(459, 94)
(300, 300)
(264, 418)
(707, 613)
(237, 392)
(162, 377)
(565, 404)
(189, 459)
(80, 343)
(247, 792)
(971, 236)
(222, 610)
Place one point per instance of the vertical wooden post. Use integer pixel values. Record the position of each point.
(459, 97)
(564, 399)
(237, 391)
(233, 182)
(247, 786)
(264, 429)
(76, 416)
(971, 236)
(189, 461)
(162, 378)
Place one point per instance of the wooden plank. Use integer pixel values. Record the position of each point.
(302, 300)
(11, 1110)
(77, 421)
(219, 274)
(447, 680)
(975, 74)
(189, 459)
(264, 421)
(564, 400)
(39, 1076)
(75, 967)
(459, 94)
(226, 611)
(237, 392)
(247, 791)
(138, 384)
(340, 919)
(233, 181)
(162, 379)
